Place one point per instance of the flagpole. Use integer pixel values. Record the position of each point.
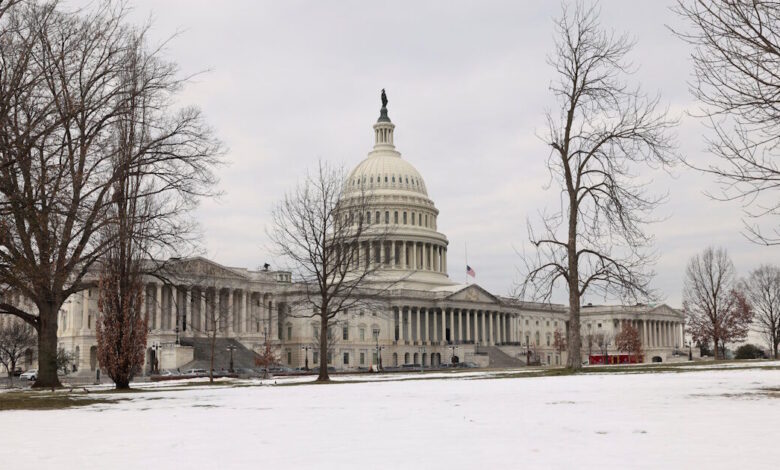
(466, 248)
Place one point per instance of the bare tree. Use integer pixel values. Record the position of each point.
(323, 229)
(762, 290)
(16, 338)
(603, 340)
(603, 133)
(737, 67)
(629, 341)
(84, 75)
(714, 308)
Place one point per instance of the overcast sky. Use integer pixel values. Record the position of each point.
(291, 82)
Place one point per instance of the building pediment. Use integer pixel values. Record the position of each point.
(664, 309)
(473, 293)
(202, 267)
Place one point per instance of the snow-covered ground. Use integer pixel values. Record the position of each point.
(696, 419)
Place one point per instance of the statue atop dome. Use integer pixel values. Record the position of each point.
(383, 117)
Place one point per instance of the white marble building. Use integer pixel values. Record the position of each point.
(425, 318)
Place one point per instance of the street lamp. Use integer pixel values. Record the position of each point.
(378, 350)
(422, 359)
(306, 356)
(231, 348)
(453, 348)
(176, 329)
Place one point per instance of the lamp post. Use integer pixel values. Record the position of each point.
(453, 348)
(527, 354)
(690, 350)
(422, 359)
(176, 330)
(306, 356)
(378, 350)
(231, 348)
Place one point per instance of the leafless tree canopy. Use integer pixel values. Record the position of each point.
(737, 69)
(602, 135)
(16, 337)
(76, 91)
(762, 289)
(321, 229)
(714, 308)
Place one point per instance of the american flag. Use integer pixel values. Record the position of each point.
(470, 271)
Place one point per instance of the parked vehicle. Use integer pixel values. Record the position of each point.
(18, 372)
(197, 372)
(31, 374)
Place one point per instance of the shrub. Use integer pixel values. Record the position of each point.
(749, 351)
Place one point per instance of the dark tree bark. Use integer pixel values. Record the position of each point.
(603, 135)
(736, 59)
(714, 308)
(63, 89)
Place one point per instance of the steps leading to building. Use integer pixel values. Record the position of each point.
(498, 358)
(242, 357)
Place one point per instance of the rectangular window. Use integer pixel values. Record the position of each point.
(387, 217)
(346, 358)
(376, 359)
(316, 357)
(548, 340)
(362, 334)
(395, 217)
(289, 358)
(377, 217)
(289, 332)
(404, 218)
(330, 358)
(426, 220)
(317, 332)
(368, 218)
(412, 218)
(345, 333)
(362, 358)
(375, 334)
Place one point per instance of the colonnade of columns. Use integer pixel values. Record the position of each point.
(659, 333)
(422, 325)
(202, 309)
(399, 254)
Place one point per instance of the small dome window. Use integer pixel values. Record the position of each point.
(407, 180)
(385, 178)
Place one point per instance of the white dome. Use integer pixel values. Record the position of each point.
(385, 170)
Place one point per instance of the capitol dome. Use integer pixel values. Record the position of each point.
(398, 203)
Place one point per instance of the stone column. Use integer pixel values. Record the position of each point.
(202, 323)
(481, 314)
(414, 256)
(403, 255)
(445, 261)
(158, 308)
(187, 309)
(468, 325)
(85, 310)
(452, 325)
(427, 326)
(443, 326)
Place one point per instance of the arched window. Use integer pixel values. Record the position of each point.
(406, 358)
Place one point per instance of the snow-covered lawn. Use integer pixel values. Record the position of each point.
(694, 419)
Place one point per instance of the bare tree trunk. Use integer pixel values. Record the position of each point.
(323, 375)
(574, 359)
(47, 346)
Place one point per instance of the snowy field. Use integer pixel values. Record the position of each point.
(695, 419)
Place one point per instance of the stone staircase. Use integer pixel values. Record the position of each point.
(242, 357)
(499, 359)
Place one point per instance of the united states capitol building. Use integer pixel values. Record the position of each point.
(424, 319)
